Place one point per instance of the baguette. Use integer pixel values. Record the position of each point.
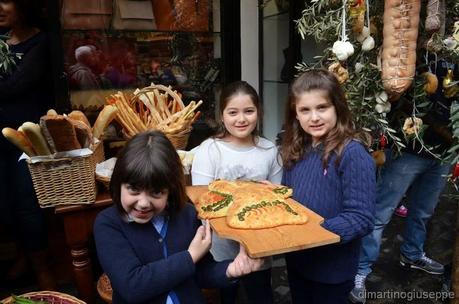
(401, 20)
(105, 117)
(34, 134)
(19, 140)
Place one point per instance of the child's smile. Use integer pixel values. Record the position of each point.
(240, 119)
(140, 205)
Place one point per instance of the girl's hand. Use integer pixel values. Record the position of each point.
(243, 265)
(201, 242)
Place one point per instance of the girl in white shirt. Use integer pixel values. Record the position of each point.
(237, 152)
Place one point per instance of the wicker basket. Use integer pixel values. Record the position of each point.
(179, 140)
(65, 181)
(99, 155)
(51, 297)
(104, 288)
(104, 180)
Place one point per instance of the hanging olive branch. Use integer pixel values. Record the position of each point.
(7, 58)
(322, 20)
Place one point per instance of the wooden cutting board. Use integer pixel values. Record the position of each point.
(271, 241)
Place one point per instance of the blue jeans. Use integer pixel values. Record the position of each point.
(426, 178)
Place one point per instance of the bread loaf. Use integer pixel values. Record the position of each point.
(78, 115)
(60, 132)
(51, 112)
(83, 133)
(19, 140)
(401, 20)
(105, 117)
(34, 134)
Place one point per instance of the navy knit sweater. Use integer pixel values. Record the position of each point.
(132, 256)
(345, 196)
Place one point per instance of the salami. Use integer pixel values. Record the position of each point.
(401, 21)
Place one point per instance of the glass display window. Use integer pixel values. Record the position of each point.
(121, 45)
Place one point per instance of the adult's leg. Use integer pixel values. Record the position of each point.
(7, 159)
(305, 291)
(323, 293)
(228, 294)
(257, 286)
(299, 288)
(394, 179)
(29, 220)
(423, 197)
(29, 216)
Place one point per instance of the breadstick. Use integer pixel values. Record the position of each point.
(134, 121)
(123, 119)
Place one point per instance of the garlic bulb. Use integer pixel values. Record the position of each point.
(382, 97)
(383, 107)
(368, 44)
(364, 34)
(450, 43)
(342, 49)
(358, 67)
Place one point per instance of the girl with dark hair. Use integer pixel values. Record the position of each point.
(237, 152)
(332, 174)
(26, 93)
(150, 243)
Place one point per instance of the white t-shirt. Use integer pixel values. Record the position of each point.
(216, 159)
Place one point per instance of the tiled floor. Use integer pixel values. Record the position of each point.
(394, 284)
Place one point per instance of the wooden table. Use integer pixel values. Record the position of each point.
(78, 223)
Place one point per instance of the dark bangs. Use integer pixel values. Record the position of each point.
(150, 162)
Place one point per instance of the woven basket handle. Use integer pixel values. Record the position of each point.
(163, 88)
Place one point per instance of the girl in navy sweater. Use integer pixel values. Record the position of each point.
(150, 242)
(331, 174)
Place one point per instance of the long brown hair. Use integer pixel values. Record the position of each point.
(150, 162)
(295, 140)
(230, 91)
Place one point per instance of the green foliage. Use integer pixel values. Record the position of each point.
(322, 20)
(7, 62)
(452, 155)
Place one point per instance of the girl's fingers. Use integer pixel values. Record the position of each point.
(200, 232)
(242, 250)
(208, 231)
(207, 237)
